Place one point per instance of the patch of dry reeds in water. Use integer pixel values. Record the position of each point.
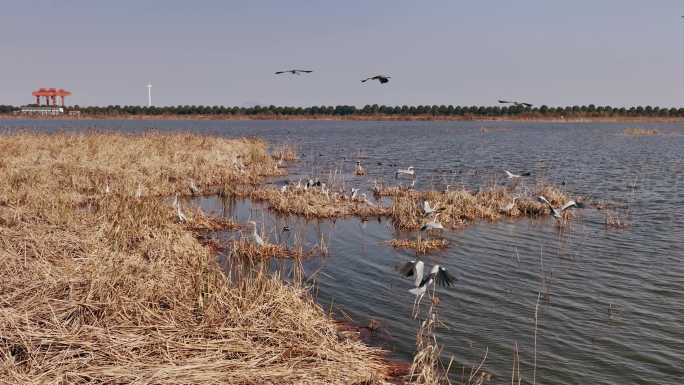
(636, 131)
(421, 246)
(460, 207)
(109, 288)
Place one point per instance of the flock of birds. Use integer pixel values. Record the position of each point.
(439, 275)
(382, 79)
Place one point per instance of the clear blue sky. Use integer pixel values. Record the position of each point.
(616, 52)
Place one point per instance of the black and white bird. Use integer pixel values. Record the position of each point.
(434, 224)
(381, 78)
(557, 212)
(516, 103)
(510, 175)
(407, 171)
(439, 275)
(294, 72)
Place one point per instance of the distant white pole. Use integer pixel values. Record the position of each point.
(149, 95)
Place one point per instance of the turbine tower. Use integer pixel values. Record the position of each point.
(149, 95)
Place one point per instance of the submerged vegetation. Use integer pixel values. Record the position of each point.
(635, 131)
(102, 284)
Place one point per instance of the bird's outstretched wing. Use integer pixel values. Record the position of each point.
(443, 278)
(383, 80)
(407, 269)
(526, 173)
(526, 104)
(281, 72)
(568, 205)
(305, 71)
(365, 80)
(504, 101)
(542, 199)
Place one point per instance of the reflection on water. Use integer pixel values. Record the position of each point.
(612, 300)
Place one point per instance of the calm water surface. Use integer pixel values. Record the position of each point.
(612, 300)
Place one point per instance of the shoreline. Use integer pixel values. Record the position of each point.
(378, 117)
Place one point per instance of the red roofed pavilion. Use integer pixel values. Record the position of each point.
(51, 95)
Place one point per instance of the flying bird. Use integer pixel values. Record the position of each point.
(408, 171)
(294, 72)
(556, 212)
(412, 268)
(516, 103)
(510, 175)
(381, 78)
(438, 275)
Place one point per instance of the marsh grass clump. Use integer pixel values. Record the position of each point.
(421, 246)
(459, 207)
(637, 132)
(312, 203)
(613, 219)
(108, 288)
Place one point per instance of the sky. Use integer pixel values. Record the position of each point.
(460, 52)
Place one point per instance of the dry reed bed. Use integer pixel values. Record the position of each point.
(121, 293)
(460, 207)
(312, 203)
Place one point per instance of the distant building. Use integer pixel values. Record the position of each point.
(54, 103)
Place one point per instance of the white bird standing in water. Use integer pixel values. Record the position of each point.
(283, 189)
(408, 172)
(354, 193)
(255, 236)
(366, 201)
(193, 188)
(180, 216)
(556, 212)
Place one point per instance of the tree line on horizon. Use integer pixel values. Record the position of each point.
(374, 109)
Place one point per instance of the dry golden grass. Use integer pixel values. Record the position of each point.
(421, 246)
(108, 288)
(312, 203)
(461, 206)
(635, 131)
(615, 220)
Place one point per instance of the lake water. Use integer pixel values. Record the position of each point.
(612, 299)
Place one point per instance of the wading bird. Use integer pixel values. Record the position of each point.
(381, 78)
(507, 208)
(359, 170)
(354, 193)
(366, 201)
(294, 72)
(515, 103)
(556, 212)
(412, 268)
(510, 175)
(408, 172)
(255, 236)
(283, 188)
(179, 214)
(427, 210)
(434, 224)
(194, 190)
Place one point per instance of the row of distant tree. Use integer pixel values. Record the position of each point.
(368, 110)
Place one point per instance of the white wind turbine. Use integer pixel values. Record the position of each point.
(149, 94)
